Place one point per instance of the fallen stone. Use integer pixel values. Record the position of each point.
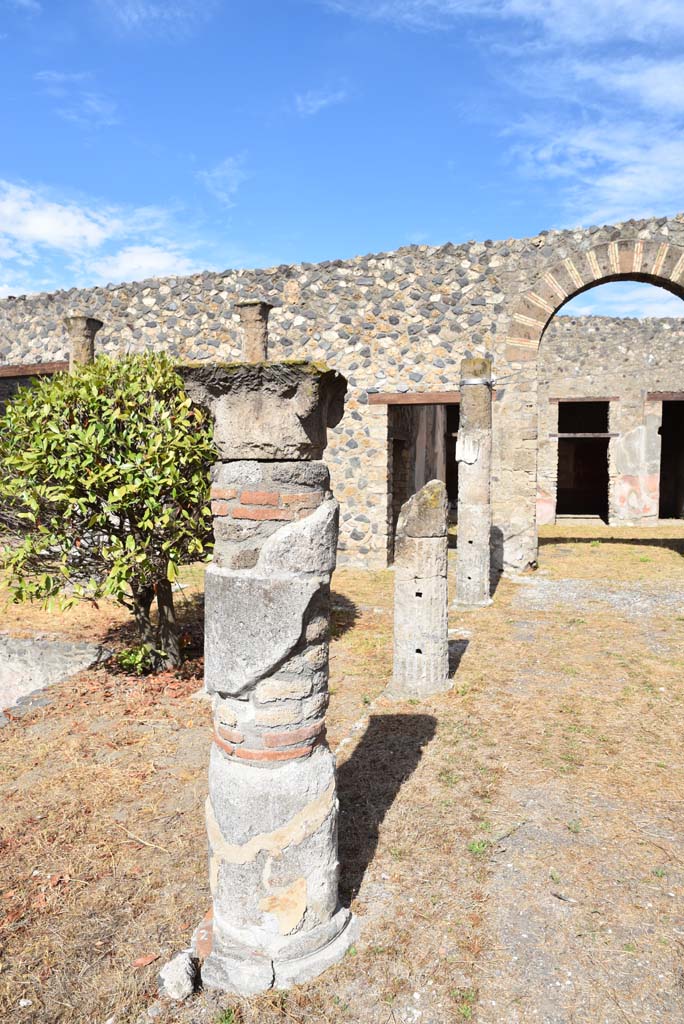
(178, 978)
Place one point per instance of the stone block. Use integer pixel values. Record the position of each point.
(308, 546)
(425, 513)
(252, 624)
(178, 977)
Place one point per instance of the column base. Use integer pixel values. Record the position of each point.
(246, 973)
(402, 690)
(472, 606)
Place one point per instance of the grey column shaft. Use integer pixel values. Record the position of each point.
(272, 807)
(82, 330)
(421, 601)
(474, 456)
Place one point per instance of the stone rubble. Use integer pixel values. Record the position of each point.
(178, 978)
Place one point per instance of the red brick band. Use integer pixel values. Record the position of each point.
(269, 755)
(264, 506)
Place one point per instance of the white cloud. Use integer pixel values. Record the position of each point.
(47, 242)
(313, 101)
(58, 83)
(136, 262)
(656, 84)
(579, 21)
(625, 299)
(90, 110)
(591, 21)
(224, 180)
(29, 219)
(78, 101)
(31, 6)
(609, 169)
(174, 16)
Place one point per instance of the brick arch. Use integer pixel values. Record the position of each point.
(628, 259)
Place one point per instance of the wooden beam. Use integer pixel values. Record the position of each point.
(665, 396)
(414, 398)
(614, 398)
(32, 369)
(561, 436)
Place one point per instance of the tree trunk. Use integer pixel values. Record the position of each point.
(142, 604)
(168, 637)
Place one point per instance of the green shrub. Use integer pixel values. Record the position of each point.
(104, 490)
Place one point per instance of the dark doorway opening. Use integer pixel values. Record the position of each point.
(583, 477)
(453, 414)
(583, 417)
(583, 438)
(401, 482)
(672, 461)
(418, 442)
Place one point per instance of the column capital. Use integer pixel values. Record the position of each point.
(268, 410)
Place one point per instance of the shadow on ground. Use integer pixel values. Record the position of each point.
(344, 614)
(671, 544)
(369, 782)
(190, 616)
(457, 649)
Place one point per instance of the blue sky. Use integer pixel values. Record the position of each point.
(144, 137)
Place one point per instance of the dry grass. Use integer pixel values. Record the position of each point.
(581, 712)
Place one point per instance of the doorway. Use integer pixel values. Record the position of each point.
(453, 420)
(672, 461)
(583, 440)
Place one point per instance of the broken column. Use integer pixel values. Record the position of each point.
(254, 319)
(474, 457)
(421, 630)
(272, 807)
(82, 330)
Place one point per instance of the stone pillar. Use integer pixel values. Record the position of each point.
(82, 330)
(474, 457)
(421, 600)
(272, 807)
(254, 318)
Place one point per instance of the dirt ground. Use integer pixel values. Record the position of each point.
(514, 849)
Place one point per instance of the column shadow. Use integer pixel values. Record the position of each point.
(369, 782)
(496, 547)
(457, 649)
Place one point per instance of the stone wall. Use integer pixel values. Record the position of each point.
(393, 322)
(9, 387)
(623, 360)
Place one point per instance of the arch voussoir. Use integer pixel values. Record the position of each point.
(660, 261)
